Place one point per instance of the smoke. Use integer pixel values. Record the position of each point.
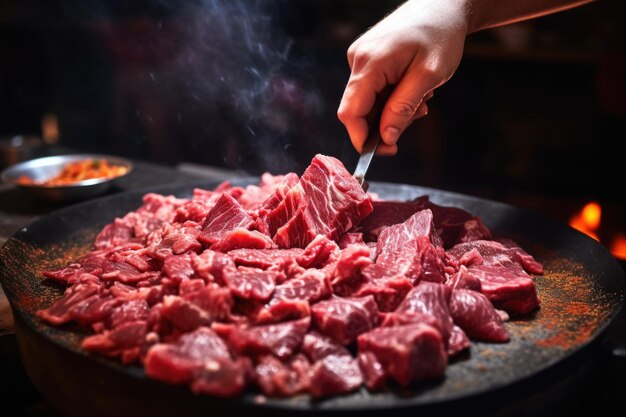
(233, 69)
(209, 81)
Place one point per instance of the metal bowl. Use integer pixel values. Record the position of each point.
(42, 168)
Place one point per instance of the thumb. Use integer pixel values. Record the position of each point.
(400, 109)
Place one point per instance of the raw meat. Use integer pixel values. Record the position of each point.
(474, 313)
(326, 201)
(294, 285)
(226, 216)
(200, 358)
(343, 319)
(407, 353)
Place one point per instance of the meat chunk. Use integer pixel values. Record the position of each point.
(226, 216)
(501, 273)
(280, 340)
(197, 308)
(126, 341)
(453, 224)
(344, 319)
(412, 249)
(475, 314)
(430, 299)
(276, 378)
(326, 201)
(250, 284)
(335, 375)
(406, 353)
(200, 358)
(59, 311)
(316, 346)
(507, 288)
(264, 258)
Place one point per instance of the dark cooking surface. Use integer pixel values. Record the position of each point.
(595, 383)
(580, 291)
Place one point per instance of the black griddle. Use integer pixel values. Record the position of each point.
(581, 292)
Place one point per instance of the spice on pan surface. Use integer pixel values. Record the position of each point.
(572, 308)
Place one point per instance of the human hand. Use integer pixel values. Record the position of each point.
(417, 48)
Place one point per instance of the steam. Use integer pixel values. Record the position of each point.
(234, 64)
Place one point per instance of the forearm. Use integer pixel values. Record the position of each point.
(483, 14)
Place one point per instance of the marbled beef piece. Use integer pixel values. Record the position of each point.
(250, 284)
(334, 375)
(458, 342)
(352, 238)
(474, 313)
(282, 379)
(387, 213)
(210, 265)
(318, 252)
(241, 238)
(173, 239)
(92, 263)
(373, 372)
(96, 308)
(462, 279)
(506, 254)
(200, 358)
(501, 271)
(411, 249)
(530, 264)
(198, 308)
(453, 224)
(263, 222)
(126, 341)
(254, 197)
(388, 291)
(430, 299)
(509, 289)
(291, 299)
(311, 285)
(280, 339)
(226, 216)
(326, 201)
(60, 311)
(178, 267)
(408, 353)
(114, 234)
(264, 258)
(344, 319)
(316, 346)
(134, 226)
(345, 273)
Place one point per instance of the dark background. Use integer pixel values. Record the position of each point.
(533, 116)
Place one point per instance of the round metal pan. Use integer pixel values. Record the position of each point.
(581, 292)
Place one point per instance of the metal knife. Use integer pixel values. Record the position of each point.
(369, 149)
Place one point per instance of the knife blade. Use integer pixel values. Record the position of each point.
(369, 149)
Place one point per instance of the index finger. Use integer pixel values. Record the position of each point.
(356, 104)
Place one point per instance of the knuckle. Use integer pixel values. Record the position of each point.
(351, 51)
(361, 57)
(343, 114)
(403, 108)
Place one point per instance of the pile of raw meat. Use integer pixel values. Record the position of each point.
(298, 285)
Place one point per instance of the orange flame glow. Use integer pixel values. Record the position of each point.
(618, 246)
(588, 219)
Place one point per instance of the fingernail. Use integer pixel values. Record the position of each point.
(391, 135)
